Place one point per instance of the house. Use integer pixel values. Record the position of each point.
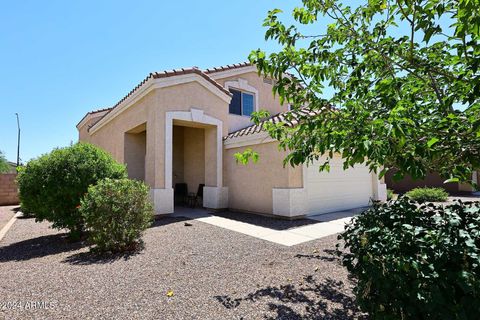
(184, 126)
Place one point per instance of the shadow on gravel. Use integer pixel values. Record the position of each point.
(87, 258)
(24, 215)
(331, 256)
(264, 221)
(38, 247)
(163, 221)
(310, 300)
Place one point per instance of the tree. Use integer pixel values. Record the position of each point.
(404, 77)
(4, 166)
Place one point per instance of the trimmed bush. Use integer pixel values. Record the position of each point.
(52, 185)
(116, 213)
(427, 194)
(416, 262)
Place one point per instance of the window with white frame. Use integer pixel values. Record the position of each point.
(243, 103)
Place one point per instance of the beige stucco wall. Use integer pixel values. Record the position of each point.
(151, 109)
(134, 154)
(266, 100)
(83, 134)
(194, 157)
(250, 186)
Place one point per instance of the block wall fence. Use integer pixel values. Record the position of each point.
(8, 189)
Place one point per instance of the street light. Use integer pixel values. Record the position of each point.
(18, 141)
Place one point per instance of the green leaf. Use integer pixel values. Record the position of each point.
(432, 141)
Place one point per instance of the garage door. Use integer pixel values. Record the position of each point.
(338, 189)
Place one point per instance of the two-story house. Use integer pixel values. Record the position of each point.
(184, 126)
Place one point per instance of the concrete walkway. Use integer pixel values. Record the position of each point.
(325, 225)
(7, 218)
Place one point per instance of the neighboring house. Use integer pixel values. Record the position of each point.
(432, 179)
(184, 126)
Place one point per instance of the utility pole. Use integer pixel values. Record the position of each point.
(18, 141)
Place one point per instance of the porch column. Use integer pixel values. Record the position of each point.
(159, 156)
(215, 195)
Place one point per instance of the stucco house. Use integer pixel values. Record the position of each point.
(184, 126)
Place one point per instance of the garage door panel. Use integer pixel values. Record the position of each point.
(337, 189)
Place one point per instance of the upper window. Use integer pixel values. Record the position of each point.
(243, 103)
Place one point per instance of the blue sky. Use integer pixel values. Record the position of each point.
(61, 59)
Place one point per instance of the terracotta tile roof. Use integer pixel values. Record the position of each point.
(281, 117)
(196, 70)
(228, 67)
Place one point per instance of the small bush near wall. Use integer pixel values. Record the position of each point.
(428, 194)
(416, 262)
(52, 185)
(116, 213)
(390, 194)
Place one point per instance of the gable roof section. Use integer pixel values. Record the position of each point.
(159, 75)
(281, 117)
(176, 72)
(91, 113)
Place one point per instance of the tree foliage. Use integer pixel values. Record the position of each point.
(4, 166)
(404, 81)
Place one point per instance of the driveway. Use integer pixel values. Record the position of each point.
(213, 272)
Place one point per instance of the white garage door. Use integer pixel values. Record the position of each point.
(337, 189)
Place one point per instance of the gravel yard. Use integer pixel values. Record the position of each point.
(214, 274)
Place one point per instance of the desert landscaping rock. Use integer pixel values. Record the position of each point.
(213, 273)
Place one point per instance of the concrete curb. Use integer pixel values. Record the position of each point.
(5, 229)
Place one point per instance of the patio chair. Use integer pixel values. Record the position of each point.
(195, 198)
(180, 193)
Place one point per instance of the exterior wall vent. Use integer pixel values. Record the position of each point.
(268, 81)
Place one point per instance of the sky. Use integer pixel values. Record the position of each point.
(61, 59)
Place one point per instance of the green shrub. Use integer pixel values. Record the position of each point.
(29, 187)
(427, 194)
(52, 185)
(390, 194)
(116, 213)
(415, 262)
